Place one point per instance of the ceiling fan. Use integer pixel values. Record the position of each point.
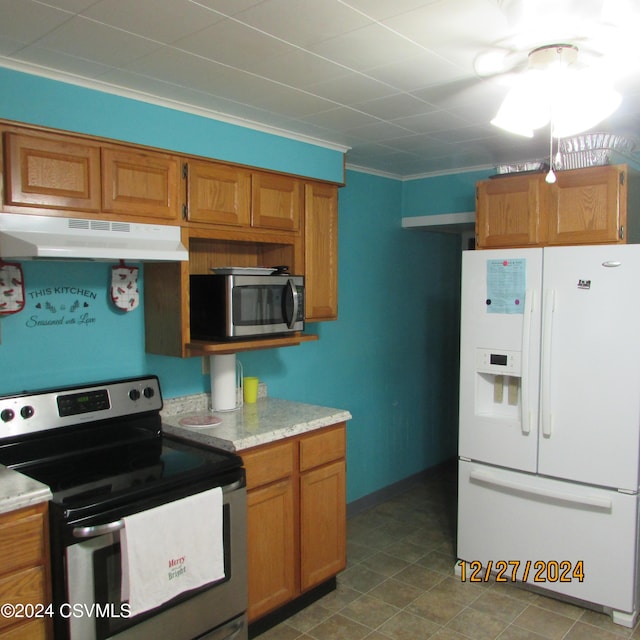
(559, 62)
(603, 31)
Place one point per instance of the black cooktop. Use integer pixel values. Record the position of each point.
(115, 461)
(101, 446)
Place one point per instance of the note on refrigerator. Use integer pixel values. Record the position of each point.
(506, 284)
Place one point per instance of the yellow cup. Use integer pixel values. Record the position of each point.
(250, 389)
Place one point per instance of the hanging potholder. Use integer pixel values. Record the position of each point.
(124, 287)
(11, 288)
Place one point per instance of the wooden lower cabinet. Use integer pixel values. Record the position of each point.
(296, 516)
(32, 630)
(271, 547)
(322, 507)
(24, 570)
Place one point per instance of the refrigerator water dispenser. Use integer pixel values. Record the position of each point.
(498, 383)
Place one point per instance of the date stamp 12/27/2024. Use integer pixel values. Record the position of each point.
(536, 571)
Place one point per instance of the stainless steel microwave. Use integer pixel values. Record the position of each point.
(225, 306)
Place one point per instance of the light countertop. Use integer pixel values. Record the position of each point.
(18, 491)
(267, 420)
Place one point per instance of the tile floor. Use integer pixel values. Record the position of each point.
(399, 585)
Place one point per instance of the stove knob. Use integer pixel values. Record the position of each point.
(27, 411)
(149, 392)
(134, 394)
(7, 415)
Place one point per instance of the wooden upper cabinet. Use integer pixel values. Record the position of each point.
(583, 206)
(321, 252)
(508, 211)
(276, 201)
(141, 184)
(49, 172)
(588, 206)
(218, 194)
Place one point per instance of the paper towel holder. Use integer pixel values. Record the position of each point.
(226, 382)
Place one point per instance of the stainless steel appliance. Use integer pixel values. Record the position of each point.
(240, 305)
(100, 449)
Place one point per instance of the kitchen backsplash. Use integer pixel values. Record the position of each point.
(199, 402)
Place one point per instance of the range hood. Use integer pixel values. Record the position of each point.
(25, 236)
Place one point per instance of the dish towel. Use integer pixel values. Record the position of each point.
(170, 549)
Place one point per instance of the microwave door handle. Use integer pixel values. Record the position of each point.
(294, 294)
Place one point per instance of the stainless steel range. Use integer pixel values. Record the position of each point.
(100, 449)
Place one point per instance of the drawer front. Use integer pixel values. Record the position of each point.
(322, 447)
(514, 517)
(20, 589)
(269, 463)
(22, 535)
(32, 630)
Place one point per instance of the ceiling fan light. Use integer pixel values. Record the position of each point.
(512, 126)
(523, 110)
(582, 105)
(556, 89)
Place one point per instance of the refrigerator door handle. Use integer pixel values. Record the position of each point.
(482, 477)
(547, 338)
(529, 308)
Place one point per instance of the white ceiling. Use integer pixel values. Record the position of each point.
(391, 80)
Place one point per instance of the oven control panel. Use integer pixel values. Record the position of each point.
(30, 412)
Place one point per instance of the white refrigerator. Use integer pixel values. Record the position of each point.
(549, 439)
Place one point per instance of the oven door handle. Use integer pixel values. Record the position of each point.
(117, 525)
(98, 530)
(234, 486)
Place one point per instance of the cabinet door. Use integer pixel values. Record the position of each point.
(51, 173)
(271, 547)
(23, 588)
(146, 185)
(322, 523)
(218, 194)
(508, 211)
(588, 206)
(23, 541)
(277, 201)
(321, 252)
(32, 630)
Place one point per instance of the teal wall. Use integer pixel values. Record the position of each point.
(451, 193)
(390, 358)
(27, 98)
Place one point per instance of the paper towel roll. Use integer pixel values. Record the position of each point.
(223, 382)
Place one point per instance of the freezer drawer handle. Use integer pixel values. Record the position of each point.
(541, 492)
